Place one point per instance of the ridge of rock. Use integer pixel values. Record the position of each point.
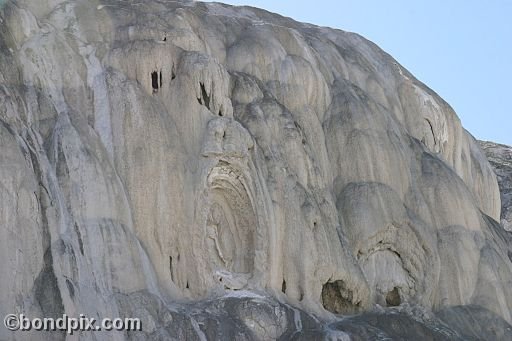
(500, 157)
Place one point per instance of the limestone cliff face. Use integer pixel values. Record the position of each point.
(161, 151)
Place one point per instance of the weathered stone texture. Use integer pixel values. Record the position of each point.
(156, 152)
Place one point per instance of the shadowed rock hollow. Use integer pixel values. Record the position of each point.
(227, 173)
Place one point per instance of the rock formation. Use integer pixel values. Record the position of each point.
(227, 173)
(500, 157)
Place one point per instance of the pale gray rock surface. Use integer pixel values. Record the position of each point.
(227, 173)
(500, 157)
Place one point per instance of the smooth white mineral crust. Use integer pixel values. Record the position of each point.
(154, 154)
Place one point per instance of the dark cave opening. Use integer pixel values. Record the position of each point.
(337, 298)
(393, 298)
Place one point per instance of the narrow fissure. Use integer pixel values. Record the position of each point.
(432, 131)
(173, 72)
(71, 288)
(204, 99)
(170, 267)
(80, 241)
(154, 81)
(46, 287)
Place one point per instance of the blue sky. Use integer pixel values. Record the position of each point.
(462, 49)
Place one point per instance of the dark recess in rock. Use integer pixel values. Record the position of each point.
(170, 267)
(173, 72)
(156, 80)
(393, 298)
(337, 299)
(70, 288)
(80, 241)
(47, 290)
(204, 99)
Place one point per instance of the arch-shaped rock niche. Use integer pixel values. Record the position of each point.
(231, 222)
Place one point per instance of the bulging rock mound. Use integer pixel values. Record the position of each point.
(500, 157)
(225, 173)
